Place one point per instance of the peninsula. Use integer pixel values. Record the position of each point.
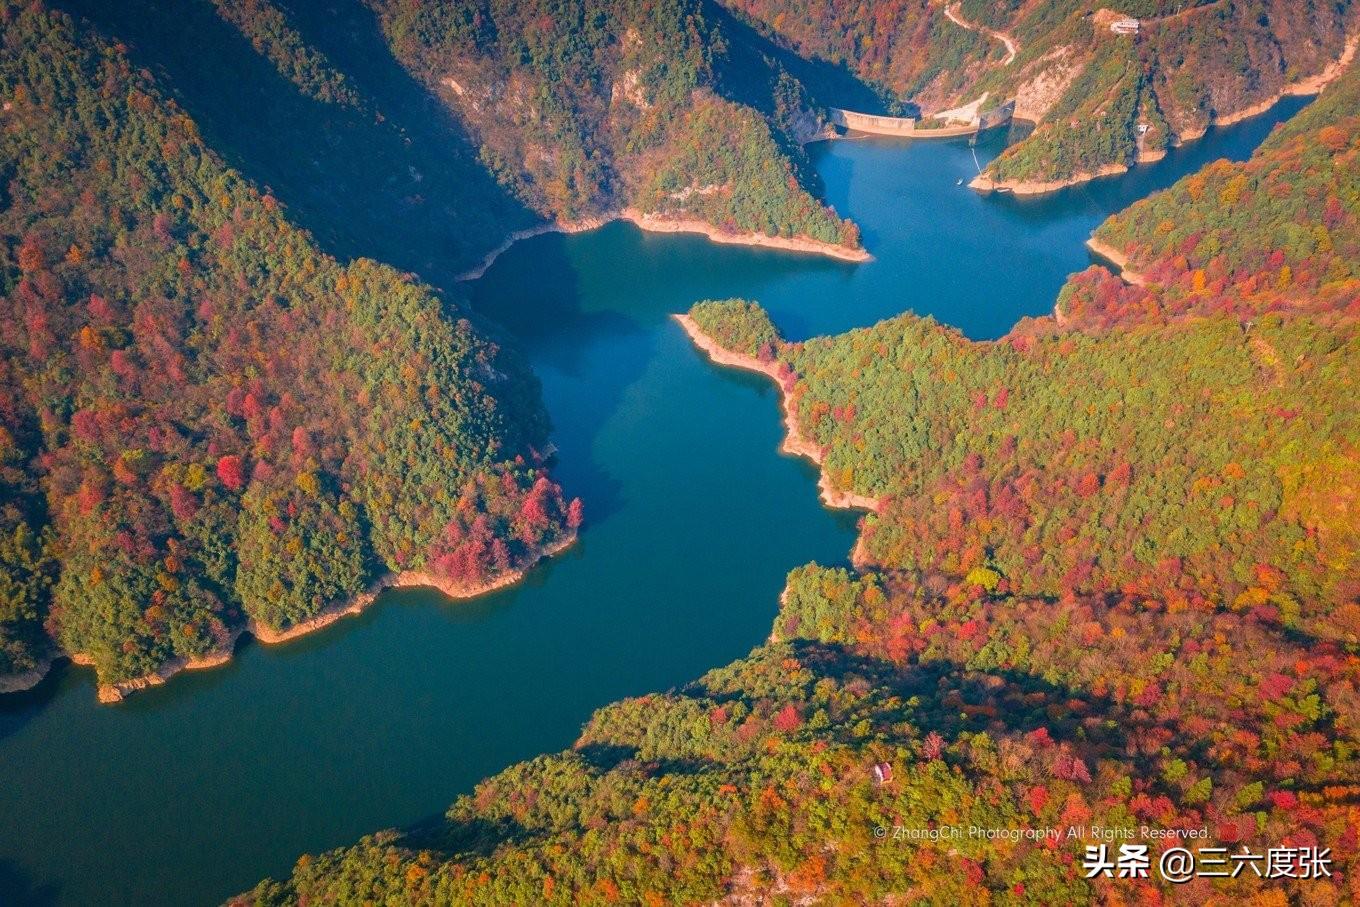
(796, 442)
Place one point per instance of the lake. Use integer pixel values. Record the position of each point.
(191, 792)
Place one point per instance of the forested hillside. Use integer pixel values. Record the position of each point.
(1277, 233)
(206, 421)
(909, 49)
(1112, 583)
(1102, 101)
(305, 99)
(1174, 459)
(1186, 69)
(272, 35)
(469, 120)
(575, 103)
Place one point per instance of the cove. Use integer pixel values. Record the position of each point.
(193, 791)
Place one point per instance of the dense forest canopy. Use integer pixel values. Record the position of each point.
(272, 34)
(207, 421)
(1173, 459)
(1112, 582)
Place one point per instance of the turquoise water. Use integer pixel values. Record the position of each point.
(193, 791)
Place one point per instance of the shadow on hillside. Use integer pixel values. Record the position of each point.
(749, 71)
(940, 697)
(952, 699)
(751, 61)
(393, 180)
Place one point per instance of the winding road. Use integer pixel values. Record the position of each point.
(951, 12)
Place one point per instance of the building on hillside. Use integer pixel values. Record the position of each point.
(1125, 26)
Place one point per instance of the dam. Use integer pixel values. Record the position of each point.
(911, 127)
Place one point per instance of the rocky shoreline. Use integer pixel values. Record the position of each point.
(657, 223)
(117, 692)
(1110, 254)
(795, 442)
(1302, 88)
(407, 579)
(984, 183)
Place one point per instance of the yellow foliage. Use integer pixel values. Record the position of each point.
(1251, 598)
(1321, 238)
(1233, 190)
(195, 477)
(985, 577)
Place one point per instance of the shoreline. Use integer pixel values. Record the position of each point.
(795, 442)
(406, 579)
(657, 223)
(984, 183)
(117, 692)
(1311, 85)
(1306, 87)
(1113, 256)
(527, 233)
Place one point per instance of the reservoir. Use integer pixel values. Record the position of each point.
(191, 792)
